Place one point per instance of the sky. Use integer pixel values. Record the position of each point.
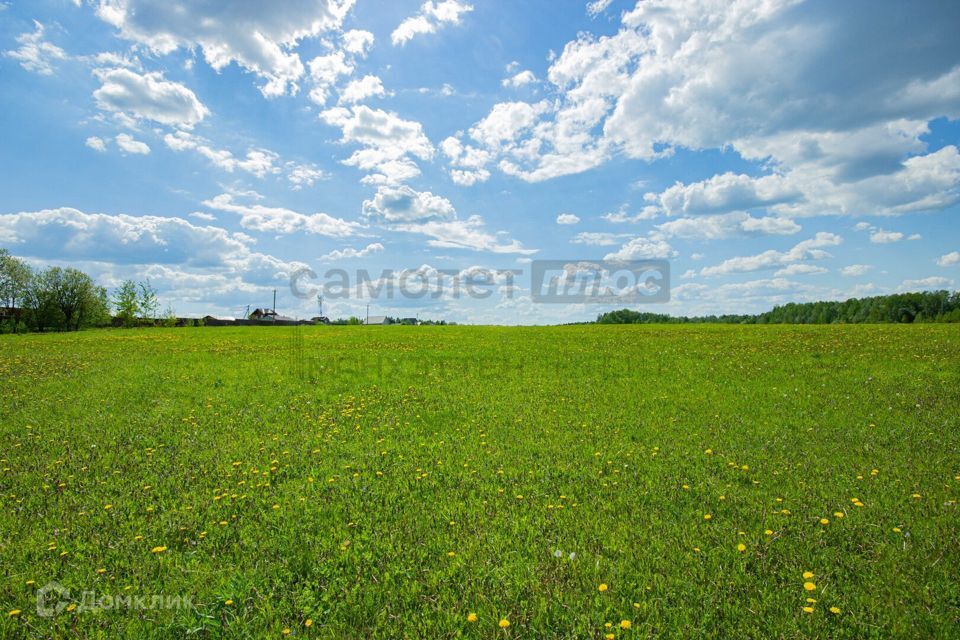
(765, 151)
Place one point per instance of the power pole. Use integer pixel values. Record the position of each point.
(368, 315)
(274, 301)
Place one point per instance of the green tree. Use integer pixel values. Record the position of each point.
(148, 301)
(126, 301)
(15, 277)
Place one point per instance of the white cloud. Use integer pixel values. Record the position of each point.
(723, 193)
(303, 175)
(431, 17)
(520, 79)
(926, 284)
(357, 42)
(881, 236)
(716, 227)
(96, 143)
(359, 90)
(209, 252)
(350, 252)
(324, 72)
(260, 37)
(621, 216)
(949, 259)
(567, 218)
(148, 96)
(127, 143)
(464, 234)
(257, 217)
(799, 269)
(643, 248)
(597, 7)
(258, 162)
(598, 239)
(855, 270)
(35, 54)
(388, 142)
(402, 204)
(806, 250)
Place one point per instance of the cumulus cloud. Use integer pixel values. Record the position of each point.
(882, 236)
(403, 204)
(127, 143)
(949, 259)
(855, 270)
(598, 239)
(70, 234)
(673, 76)
(260, 37)
(520, 79)
(431, 18)
(350, 252)
(388, 142)
(257, 217)
(368, 86)
(716, 227)
(643, 248)
(806, 250)
(96, 143)
(567, 218)
(799, 269)
(148, 96)
(258, 162)
(34, 53)
(357, 42)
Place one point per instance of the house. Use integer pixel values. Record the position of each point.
(320, 320)
(376, 320)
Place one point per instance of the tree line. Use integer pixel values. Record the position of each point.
(925, 306)
(67, 299)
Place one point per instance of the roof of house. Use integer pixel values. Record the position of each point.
(376, 320)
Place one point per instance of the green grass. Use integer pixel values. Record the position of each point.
(346, 463)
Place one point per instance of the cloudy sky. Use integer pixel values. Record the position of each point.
(770, 150)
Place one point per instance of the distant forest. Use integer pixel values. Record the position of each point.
(927, 306)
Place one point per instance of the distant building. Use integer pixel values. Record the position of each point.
(376, 320)
(320, 320)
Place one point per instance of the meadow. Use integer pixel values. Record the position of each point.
(477, 482)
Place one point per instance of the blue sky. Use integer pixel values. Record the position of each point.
(771, 151)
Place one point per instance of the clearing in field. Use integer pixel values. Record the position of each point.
(441, 482)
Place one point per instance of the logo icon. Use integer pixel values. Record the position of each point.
(52, 599)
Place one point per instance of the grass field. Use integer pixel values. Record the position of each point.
(576, 482)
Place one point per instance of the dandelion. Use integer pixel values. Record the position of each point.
(471, 617)
(809, 586)
(625, 624)
(741, 547)
(158, 550)
(838, 514)
(228, 602)
(824, 521)
(896, 529)
(504, 623)
(768, 532)
(707, 516)
(286, 631)
(808, 609)
(602, 588)
(609, 636)
(14, 613)
(807, 574)
(450, 554)
(835, 610)
(308, 623)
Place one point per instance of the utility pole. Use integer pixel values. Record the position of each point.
(320, 303)
(274, 301)
(368, 315)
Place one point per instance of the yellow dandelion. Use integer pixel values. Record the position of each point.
(896, 529)
(286, 631)
(808, 609)
(451, 553)
(768, 532)
(707, 516)
(625, 624)
(808, 574)
(471, 617)
(609, 636)
(504, 623)
(809, 586)
(741, 547)
(228, 602)
(308, 623)
(824, 521)
(14, 613)
(602, 588)
(158, 550)
(838, 514)
(835, 610)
